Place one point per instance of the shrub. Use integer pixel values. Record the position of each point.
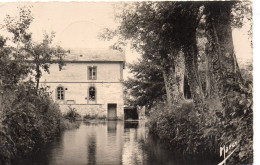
(28, 118)
(181, 127)
(72, 115)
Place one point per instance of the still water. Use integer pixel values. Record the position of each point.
(107, 143)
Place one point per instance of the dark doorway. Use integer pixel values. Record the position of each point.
(130, 113)
(111, 111)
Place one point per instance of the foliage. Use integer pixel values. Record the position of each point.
(28, 116)
(72, 115)
(160, 29)
(28, 119)
(182, 128)
(153, 26)
(13, 68)
(246, 70)
(40, 54)
(43, 54)
(147, 87)
(242, 15)
(239, 126)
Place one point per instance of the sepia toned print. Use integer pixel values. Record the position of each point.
(130, 83)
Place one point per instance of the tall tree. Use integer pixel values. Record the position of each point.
(145, 26)
(188, 20)
(226, 70)
(12, 67)
(235, 95)
(42, 54)
(37, 54)
(205, 67)
(161, 31)
(147, 87)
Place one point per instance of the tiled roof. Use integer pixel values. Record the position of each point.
(99, 55)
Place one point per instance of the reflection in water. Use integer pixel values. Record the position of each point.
(132, 150)
(111, 126)
(129, 124)
(108, 143)
(92, 151)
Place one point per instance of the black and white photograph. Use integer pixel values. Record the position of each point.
(127, 83)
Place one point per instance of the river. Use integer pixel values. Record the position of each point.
(106, 143)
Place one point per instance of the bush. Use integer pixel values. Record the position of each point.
(181, 128)
(28, 119)
(72, 115)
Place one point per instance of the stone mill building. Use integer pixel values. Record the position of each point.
(90, 82)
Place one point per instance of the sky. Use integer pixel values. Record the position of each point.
(77, 25)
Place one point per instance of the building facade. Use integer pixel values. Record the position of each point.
(90, 82)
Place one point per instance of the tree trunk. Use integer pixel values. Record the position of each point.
(179, 65)
(210, 85)
(167, 81)
(231, 89)
(225, 67)
(174, 80)
(172, 88)
(191, 64)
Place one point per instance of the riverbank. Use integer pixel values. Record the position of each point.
(193, 134)
(29, 118)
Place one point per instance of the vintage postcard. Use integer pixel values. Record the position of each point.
(126, 83)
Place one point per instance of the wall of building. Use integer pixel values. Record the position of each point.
(73, 78)
(78, 72)
(76, 95)
(85, 109)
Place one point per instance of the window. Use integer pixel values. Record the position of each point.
(92, 73)
(92, 94)
(60, 93)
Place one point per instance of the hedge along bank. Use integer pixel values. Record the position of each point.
(29, 118)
